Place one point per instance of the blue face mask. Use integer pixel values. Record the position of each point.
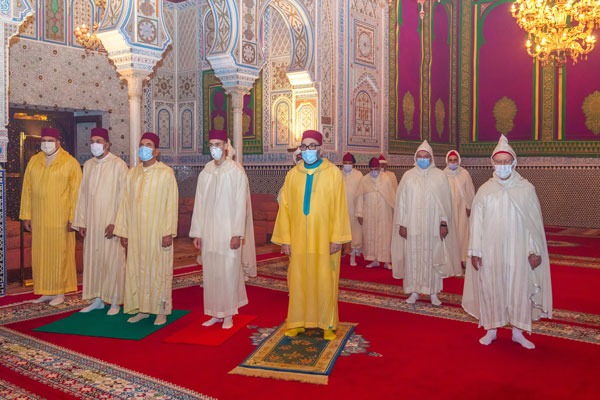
(309, 156)
(423, 163)
(145, 153)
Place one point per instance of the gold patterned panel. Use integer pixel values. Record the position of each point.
(219, 123)
(440, 117)
(591, 109)
(505, 111)
(548, 119)
(408, 111)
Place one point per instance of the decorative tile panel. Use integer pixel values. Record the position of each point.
(187, 40)
(47, 76)
(163, 87)
(54, 21)
(164, 123)
(187, 87)
(187, 124)
(364, 44)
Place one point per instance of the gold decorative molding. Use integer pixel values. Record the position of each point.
(591, 109)
(408, 111)
(505, 111)
(440, 117)
(465, 72)
(547, 105)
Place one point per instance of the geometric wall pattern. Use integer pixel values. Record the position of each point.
(563, 202)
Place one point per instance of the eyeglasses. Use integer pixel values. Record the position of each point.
(211, 145)
(311, 146)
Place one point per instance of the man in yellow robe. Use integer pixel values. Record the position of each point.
(99, 198)
(311, 226)
(352, 178)
(146, 223)
(48, 199)
(220, 222)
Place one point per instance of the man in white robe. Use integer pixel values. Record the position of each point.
(219, 225)
(352, 178)
(375, 210)
(423, 219)
(97, 205)
(147, 223)
(383, 170)
(508, 277)
(463, 192)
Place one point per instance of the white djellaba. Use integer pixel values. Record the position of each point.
(506, 231)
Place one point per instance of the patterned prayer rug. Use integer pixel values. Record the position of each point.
(8, 391)
(304, 358)
(81, 376)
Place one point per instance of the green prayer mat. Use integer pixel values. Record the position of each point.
(97, 323)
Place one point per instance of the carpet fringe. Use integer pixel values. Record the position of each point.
(285, 376)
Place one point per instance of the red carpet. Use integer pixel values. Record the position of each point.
(195, 333)
(361, 273)
(414, 356)
(582, 246)
(573, 288)
(421, 356)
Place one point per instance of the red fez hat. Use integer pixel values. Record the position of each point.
(501, 152)
(349, 158)
(152, 136)
(452, 153)
(311, 134)
(381, 158)
(374, 163)
(100, 132)
(52, 132)
(218, 134)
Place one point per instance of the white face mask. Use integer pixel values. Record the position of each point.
(97, 149)
(48, 147)
(503, 171)
(216, 153)
(375, 173)
(453, 166)
(347, 168)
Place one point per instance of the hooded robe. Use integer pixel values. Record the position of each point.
(506, 227)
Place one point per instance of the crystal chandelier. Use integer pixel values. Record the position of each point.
(86, 37)
(558, 29)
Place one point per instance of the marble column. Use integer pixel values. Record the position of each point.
(134, 90)
(237, 105)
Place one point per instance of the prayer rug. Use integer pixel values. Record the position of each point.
(214, 335)
(304, 358)
(75, 375)
(8, 391)
(97, 323)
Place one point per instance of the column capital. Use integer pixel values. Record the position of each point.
(135, 81)
(237, 95)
